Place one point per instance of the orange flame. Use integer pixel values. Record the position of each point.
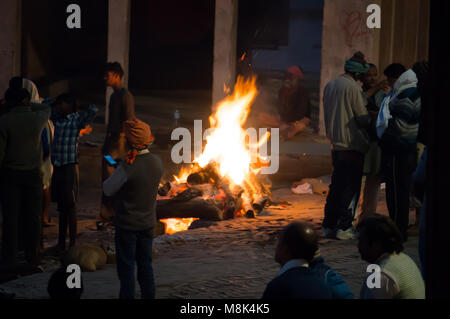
(86, 131)
(226, 146)
(175, 225)
(229, 149)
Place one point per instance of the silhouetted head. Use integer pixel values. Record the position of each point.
(17, 97)
(58, 288)
(393, 72)
(378, 235)
(357, 66)
(297, 241)
(66, 103)
(292, 77)
(113, 74)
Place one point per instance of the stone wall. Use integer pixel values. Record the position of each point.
(118, 39)
(344, 32)
(225, 36)
(10, 41)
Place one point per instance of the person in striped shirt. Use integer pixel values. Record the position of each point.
(381, 243)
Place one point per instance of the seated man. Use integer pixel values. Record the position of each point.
(339, 288)
(293, 108)
(296, 248)
(380, 242)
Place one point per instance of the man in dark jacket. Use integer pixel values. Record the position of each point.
(20, 177)
(398, 144)
(121, 109)
(135, 185)
(296, 248)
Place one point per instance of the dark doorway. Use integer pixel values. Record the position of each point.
(60, 59)
(171, 45)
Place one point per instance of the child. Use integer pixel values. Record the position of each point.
(68, 123)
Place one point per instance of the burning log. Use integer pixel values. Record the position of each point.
(259, 205)
(164, 190)
(230, 204)
(204, 176)
(207, 209)
(249, 212)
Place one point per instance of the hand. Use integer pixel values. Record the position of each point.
(383, 86)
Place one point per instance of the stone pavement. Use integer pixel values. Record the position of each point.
(229, 259)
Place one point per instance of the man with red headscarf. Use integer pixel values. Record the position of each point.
(294, 106)
(134, 185)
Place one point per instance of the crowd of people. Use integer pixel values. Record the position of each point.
(373, 130)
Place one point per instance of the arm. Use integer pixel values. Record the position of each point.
(362, 117)
(128, 104)
(115, 182)
(87, 116)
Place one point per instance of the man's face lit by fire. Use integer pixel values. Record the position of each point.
(370, 78)
(112, 79)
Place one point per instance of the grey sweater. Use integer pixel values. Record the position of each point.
(346, 116)
(135, 187)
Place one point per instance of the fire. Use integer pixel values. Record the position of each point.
(226, 146)
(86, 131)
(175, 225)
(183, 175)
(230, 152)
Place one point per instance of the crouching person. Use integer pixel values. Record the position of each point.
(134, 184)
(296, 248)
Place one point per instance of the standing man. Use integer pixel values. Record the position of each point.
(20, 176)
(121, 109)
(135, 185)
(346, 122)
(398, 144)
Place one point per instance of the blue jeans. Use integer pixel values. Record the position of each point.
(135, 248)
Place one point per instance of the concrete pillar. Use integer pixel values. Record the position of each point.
(118, 39)
(225, 36)
(10, 41)
(345, 31)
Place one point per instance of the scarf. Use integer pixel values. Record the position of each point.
(356, 67)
